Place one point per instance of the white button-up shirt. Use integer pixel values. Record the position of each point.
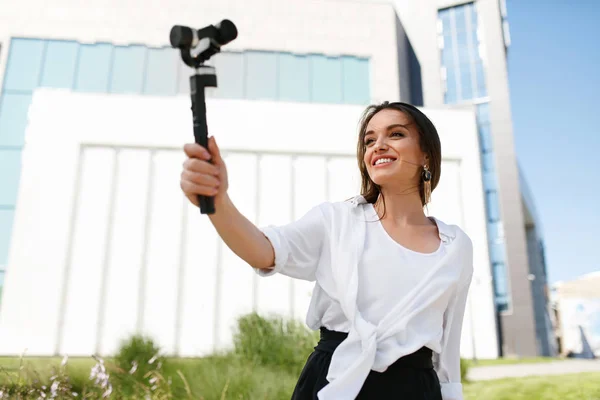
(326, 246)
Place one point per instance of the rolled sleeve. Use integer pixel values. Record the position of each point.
(297, 246)
(452, 391)
(279, 248)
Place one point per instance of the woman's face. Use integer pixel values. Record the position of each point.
(393, 155)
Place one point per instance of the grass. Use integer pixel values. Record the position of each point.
(264, 364)
(231, 377)
(218, 377)
(584, 386)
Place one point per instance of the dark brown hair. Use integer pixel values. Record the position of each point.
(428, 139)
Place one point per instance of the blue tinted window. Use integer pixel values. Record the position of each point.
(294, 78)
(451, 87)
(356, 80)
(480, 77)
(93, 69)
(464, 63)
(485, 136)
(500, 286)
(13, 118)
(460, 18)
(59, 64)
(6, 223)
(492, 206)
(448, 55)
(483, 113)
(502, 303)
(24, 64)
(460, 52)
(450, 96)
(472, 17)
(497, 253)
(230, 75)
(489, 181)
(326, 75)
(10, 171)
(127, 75)
(500, 281)
(462, 43)
(161, 71)
(466, 85)
(488, 162)
(261, 75)
(494, 231)
(444, 15)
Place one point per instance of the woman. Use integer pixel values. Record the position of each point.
(390, 283)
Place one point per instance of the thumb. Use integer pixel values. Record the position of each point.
(214, 150)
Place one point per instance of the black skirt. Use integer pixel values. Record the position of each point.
(410, 378)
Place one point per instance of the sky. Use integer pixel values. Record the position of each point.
(554, 77)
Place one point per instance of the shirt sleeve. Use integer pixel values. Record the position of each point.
(297, 245)
(447, 363)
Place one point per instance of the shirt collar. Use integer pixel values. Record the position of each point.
(447, 233)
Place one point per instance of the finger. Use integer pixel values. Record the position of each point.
(196, 151)
(191, 188)
(204, 167)
(200, 179)
(214, 150)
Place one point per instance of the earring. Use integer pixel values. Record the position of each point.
(427, 183)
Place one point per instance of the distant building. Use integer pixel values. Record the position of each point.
(577, 304)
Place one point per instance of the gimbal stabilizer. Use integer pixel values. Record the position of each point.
(196, 47)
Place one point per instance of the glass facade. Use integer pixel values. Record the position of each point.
(137, 69)
(463, 69)
(460, 54)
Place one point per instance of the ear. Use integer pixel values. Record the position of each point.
(425, 159)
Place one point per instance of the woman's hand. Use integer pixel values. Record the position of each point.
(201, 177)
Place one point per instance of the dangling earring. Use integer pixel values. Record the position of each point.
(427, 183)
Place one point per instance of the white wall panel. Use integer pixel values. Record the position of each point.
(120, 309)
(89, 250)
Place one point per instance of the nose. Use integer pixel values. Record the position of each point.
(380, 144)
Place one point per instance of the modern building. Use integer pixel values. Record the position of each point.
(96, 241)
(465, 63)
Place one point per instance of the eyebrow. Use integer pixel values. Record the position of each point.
(388, 128)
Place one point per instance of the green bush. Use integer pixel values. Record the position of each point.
(274, 341)
(138, 361)
(141, 351)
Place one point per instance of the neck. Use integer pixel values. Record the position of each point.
(401, 207)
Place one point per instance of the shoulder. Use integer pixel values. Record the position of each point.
(455, 235)
(329, 208)
(461, 243)
(335, 215)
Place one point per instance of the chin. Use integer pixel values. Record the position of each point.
(380, 181)
(382, 177)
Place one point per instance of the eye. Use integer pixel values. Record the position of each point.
(398, 134)
(369, 141)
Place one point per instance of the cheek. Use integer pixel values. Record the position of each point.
(366, 157)
(409, 151)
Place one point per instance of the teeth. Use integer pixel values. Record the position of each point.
(383, 160)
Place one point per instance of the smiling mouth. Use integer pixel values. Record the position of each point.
(383, 161)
